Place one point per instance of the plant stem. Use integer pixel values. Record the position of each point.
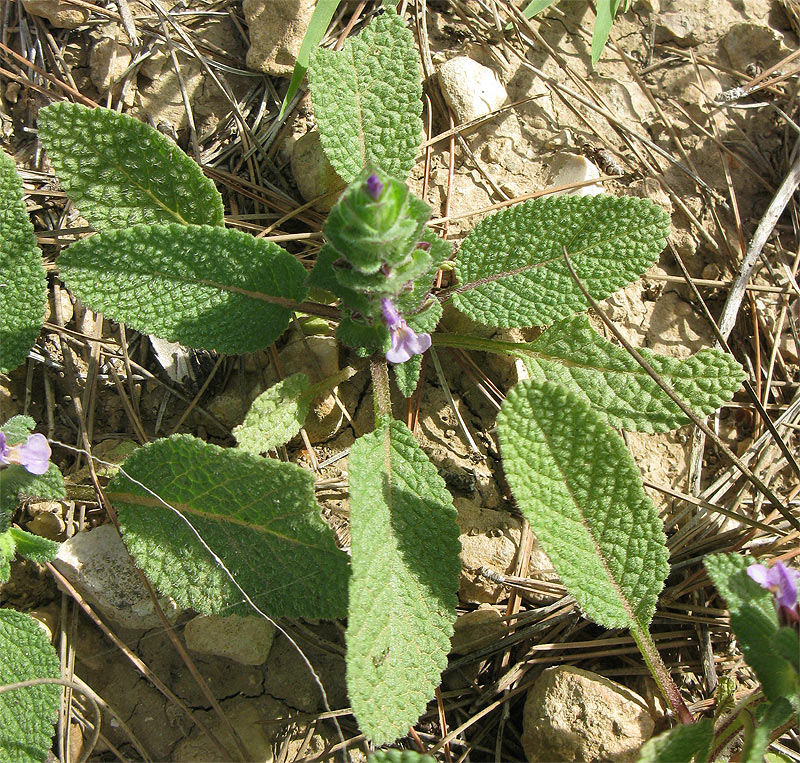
(381, 396)
(660, 672)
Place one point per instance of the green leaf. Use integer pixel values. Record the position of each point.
(614, 384)
(203, 286)
(606, 10)
(578, 486)
(405, 577)
(680, 744)
(367, 99)
(320, 19)
(14, 541)
(259, 516)
(773, 716)
(754, 620)
(23, 294)
(786, 643)
(399, 756)
(511, 269)
(275, 416)
(27, 716)
(17, 429)
(407, 374)
(536, 6)
(120, 172)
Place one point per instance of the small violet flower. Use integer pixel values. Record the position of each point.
(782, 582)
(405, 341)
(374, 187)
(33, 454)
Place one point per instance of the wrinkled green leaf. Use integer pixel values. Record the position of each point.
(511, 269)
(15, 541)
(405, 577)
(614, 384)
(17, 429)
(773, 716)
(23, 284)
(121, 172)
(399, 756)
(16, 483)
(275, 416)
(27, 716)
(754, 620)
(367, 99)
(681, 744)
(203, 286)
(578, 486)
(259, 516)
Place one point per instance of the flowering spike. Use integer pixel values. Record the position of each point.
(405, 341)
(374, 186)
(33, 454)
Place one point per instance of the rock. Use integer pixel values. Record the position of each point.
(477, 629)
(572, 714)
(748, 42)
(571, 168)
(48, 618)
(314, 174)
(47, 520)
(472, 90)
(108, 60)
(277, 28)
(242, 639)
(61, 14)
(682, 27)
(229, 408)
(98, 565)
(488, 539)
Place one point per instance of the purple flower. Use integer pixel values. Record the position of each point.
(33, 454)
(405, 341)
(374, 187)
(781, 581)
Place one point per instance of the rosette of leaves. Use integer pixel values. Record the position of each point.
(377, 248)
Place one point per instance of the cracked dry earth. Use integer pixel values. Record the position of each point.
(652, 106)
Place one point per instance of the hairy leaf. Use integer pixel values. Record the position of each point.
(14, 541)
(754, 620)
(121, 172)
(681, 744)
(511, 269)
(259, 516)
(367, 99)
(405, 578)
(614, 384)
(772, 717)
(577, 485)
(27, 716)
(23, 289)
(275, 416)
(399, 756)
(17, 483)
(203, 286)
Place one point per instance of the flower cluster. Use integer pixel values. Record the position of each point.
(405, 341)
(782, 582)
(33, 454)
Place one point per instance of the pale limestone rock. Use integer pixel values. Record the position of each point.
(47, 520)
(681, 27)
(246, 640)
(747, 42)
(314, 174)
(47, 617)
(574, 715)
(108, 60)
(477, 629)
(472, 90)
(61, 14)
(98, 565)
(488, 539)
(277, 28)
(571, 168)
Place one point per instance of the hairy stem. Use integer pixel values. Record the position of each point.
(381, 396)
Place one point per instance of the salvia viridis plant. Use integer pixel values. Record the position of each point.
(221, 529)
